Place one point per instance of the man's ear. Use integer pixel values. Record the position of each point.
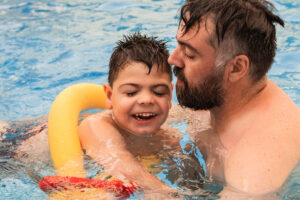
(108, 93)
(237, 68)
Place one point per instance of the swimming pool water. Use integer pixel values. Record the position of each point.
(48, 45)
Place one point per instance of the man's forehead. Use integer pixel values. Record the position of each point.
(206, 23)
(205, 27)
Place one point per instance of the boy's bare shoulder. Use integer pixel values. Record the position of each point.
(100, 127)
(102, 118)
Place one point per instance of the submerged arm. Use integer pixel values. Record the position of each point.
(103, 142)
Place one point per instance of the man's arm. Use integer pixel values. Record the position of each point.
(229, 193)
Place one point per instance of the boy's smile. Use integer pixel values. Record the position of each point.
(140, 101)
(144, 116)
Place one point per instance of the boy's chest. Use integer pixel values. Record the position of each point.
(152, 146)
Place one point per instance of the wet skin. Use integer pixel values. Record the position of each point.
(257, 124)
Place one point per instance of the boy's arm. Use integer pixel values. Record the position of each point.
(104, 143)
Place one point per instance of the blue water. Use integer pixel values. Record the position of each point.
(47, 45)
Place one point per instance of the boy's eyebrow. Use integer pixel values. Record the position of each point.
(129, 84)
(136, 85)
(161, 85)
(183, 43)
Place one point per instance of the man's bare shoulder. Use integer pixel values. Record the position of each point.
(275, 116)
(283, 118)
(269, 147)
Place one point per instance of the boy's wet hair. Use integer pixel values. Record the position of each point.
(139, 48)
(241, 27)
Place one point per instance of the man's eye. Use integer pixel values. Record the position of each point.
(130, 94)
(190, 56)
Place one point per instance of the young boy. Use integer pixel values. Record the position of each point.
(129, 139)
(139, 96)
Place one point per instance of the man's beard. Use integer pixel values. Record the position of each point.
(205, 96)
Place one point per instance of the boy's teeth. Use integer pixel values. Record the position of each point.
(142, 116)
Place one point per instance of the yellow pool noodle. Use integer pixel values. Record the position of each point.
(65, 148)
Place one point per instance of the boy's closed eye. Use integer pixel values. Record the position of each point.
(131, 93)
(129, 89)
(158, 90)
(161, 90)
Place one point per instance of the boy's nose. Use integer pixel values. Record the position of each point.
(146, 98)
(176, 57)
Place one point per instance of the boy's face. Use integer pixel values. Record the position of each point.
(140, 101)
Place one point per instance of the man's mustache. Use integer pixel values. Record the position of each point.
(178, 72)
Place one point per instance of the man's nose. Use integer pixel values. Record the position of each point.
(176, 57)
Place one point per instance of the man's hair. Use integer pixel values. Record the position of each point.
(241, 27)
(139, 48)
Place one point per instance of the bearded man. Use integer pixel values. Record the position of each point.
(225, 49)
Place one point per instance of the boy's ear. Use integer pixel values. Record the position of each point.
(237, 68)
(108, 93)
